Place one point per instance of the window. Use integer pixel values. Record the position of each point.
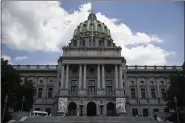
(143, 94)
(59, 84)
(123, 84)
(50, 81)
(142, 82)
(50, 92)
(74, 84)
(166, 110)
(101, 43)
(152, 82)
(153, 93)
(163, 93)
(162, 82)
(145, 112)
(108, 86)
(74, 43)
(109, 71)
(109, 44)
(155, 110)
(133, 93)
(132, 82)
(91, 87)
(48, 110)
(134, 112)
(123, 76)
(37, 109)
(40, 92)
(41, 81)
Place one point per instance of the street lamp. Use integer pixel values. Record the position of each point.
(175, 100)
(6, 100)
(43, 104)
(23, 98)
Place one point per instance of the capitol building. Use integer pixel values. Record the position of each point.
(92, 78)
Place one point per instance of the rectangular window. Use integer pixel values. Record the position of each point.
(91, 90)
(109, 90)
(143, 94)
(48, 110)
(50, 92)
(156, 110)
(134, 112)
(163, 93)
(133, 93)
(40, 92)
(37, 109)
(145, 112)
(166, 110)
(153, 93)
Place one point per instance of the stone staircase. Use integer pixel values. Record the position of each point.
(86, 119)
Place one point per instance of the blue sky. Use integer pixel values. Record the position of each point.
(163, 19)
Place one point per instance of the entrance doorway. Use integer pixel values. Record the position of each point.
(72, 109)
(111, 109)
(91, 109)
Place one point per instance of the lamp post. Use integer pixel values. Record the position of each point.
(6, 100)
(43, 104)
(23, 98)
(175, 101)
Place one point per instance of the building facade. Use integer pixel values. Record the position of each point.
(91, 75)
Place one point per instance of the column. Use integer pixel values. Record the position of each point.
(147, 88)
(67, 76)
(84, 77)
(62, 76)
(103, 77)
(138, 91)
(120, 77)
(116, 77)
(158, 90)
(80, 76)
(98, 68)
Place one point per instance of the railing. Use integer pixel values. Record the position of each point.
(129, 68)
(35, 67)
(154, 68)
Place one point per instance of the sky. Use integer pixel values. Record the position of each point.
(150, 33)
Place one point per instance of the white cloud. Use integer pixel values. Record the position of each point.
(20, 58)
(45, 26)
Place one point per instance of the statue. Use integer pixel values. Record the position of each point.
(120, 105)
(62, 105)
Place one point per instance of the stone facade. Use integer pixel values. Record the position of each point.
(92, 74)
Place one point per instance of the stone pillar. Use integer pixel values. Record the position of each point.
(98, 74)
(62, 76)
(116, 77)
(67, 76)
(120, 77)
(103, 77)
(147, 88)
(158, 90)
(138, 91)
(80, 76)
(84, 77)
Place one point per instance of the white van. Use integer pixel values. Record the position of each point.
(39, 113)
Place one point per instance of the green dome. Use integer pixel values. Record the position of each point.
(92, 25)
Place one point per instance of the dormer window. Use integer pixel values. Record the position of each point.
(99, 25)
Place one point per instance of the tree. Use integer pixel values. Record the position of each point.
(11, 86)
(10, 83)
(28, 92)
(176, 89)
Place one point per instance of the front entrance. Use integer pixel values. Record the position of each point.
(72, 109)
(111, 109)
(91, 109)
